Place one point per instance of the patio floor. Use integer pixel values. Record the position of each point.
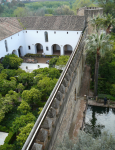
(3, 135)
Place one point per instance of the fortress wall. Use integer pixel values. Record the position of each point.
(66, 95)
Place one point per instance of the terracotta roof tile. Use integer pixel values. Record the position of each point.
(72, 23)
(10, 26)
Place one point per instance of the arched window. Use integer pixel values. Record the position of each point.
(6, 46)
(46, 36)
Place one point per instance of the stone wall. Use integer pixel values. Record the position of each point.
(80, 11)
(70, 86)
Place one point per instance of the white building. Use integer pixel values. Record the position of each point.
(52, 35)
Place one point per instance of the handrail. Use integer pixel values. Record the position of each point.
(49, 101)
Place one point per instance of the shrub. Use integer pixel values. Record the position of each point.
(40, 55)
(10, 138)
(24, 132)
(112, 90)
(7, 147)
(87, 142)
(102, 96)
(3, 129)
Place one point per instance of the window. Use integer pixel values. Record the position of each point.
(6, 46)
(46, 36)
(47, 48)
(29, 47)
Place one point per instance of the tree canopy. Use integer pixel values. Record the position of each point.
(12, 61)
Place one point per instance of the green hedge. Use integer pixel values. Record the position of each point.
(3, 129)
(10, 138)
(7, 147)
(102, 96)
(40, 55)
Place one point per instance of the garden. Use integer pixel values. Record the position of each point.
(23, 96)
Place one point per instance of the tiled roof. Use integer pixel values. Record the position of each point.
(10, 26)
(72, 23)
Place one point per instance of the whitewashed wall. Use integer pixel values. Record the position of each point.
(60, 37)
(13, 43)
(31, 37)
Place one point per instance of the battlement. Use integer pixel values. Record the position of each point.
(89, 12)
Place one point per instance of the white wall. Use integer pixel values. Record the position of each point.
(13, 43)
(61, 38)
(30, 38)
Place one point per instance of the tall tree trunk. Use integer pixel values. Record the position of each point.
(108, 29)
(96, 75)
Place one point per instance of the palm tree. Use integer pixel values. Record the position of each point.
(107, 22)
(96, 22)
(100, 44)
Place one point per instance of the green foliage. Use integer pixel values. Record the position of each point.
(3, 76)
(112, 90)
(10, 117)
(83, 3)
(24, 107)
(20, 87)
(26, 78)
(107, 70)
(24, 132)
(87, 142)
(103, 86)
(7, 147)
(22, 121)
(9, 138)
(53, 73)
(63, 10)
(52, 62)
(1, 67)
(3, 129)
(19, 71)
(12, 61)
(6, 86)
(45, 86)
(62, 61)
(40, 55)
(5, 106)
(40, 110)
(43, 72)
(20, 12)
(10, 73)
(38, 77)
(102, 96)
(13, 95)
(32, 96)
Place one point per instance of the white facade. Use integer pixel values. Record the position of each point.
(26, 41)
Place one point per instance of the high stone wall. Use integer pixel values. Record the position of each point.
(69, 81)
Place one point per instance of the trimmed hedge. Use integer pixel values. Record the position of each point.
(102, 96)
(10, 138)
(40, 55)
(7, 147)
